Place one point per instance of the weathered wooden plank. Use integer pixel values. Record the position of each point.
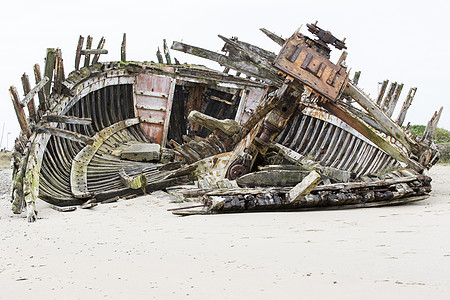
(78, 52)
(133, 182)
(29, 96)
(393, 103)
(304, 187)
(21, 117)
(123, 48)
(392, 128)
(41, 94)
(100, 46)
(30, 100)
(280, 177)
(402, 115)
(70, 135)
(432, 125)
(87, 55)
(67, 119)
(59, 72)
(382, 91)
(239, 65)
(356, 77)
(94, 51)
(166, 52)
(227, 126)
(370, 133)
(49, 68)
(277, 39)
(388, 97)
(159, 56)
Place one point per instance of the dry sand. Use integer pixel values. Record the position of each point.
(135, 249)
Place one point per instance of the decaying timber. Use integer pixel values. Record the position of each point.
(286, 137)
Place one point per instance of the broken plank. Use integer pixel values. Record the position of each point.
(70, 135)
(123, 48)
(87, 55)
(67, 119)
(41, 94)
(402, 115)
(29, 96)
(101, 43)
(78, 52)
(304, 187)
(21, 117)
(133, 182)
(393, 103)
(48, 71)
(382, 91)
(166, 53)
(227, 126)
(277, 39)
(30, 101)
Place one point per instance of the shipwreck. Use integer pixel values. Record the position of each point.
(286, 131)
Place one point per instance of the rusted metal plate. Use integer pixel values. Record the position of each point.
(153, 101)
(311, 68)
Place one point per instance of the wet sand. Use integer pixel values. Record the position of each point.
(135, 249)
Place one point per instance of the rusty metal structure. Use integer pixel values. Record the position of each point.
(287, 131)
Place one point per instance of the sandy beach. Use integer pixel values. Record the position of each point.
(135, 249)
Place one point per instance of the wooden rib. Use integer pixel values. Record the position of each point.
(406, 105)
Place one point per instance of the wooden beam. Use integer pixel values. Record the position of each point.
(32, 113)
(388, 97)
(159, 56)
(133, 182)
(356, 77)
(29, 96)
(48, 71)
(431, 126)
(94, 51)
(66, 134)
(41, 94)
(227, 126)
(123, 48)
(402, 115)
(393, 103)
(101, 43)
(78, 52)
(360, 126)
(87, 55)
(246, 67)
(59, 72)
(21, 117)
(166, 52)
(382, 91)
(277, 39)
(304, 187)
(67, 119)
(392, 128)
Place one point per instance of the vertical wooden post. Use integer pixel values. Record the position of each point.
(87, 56)
(31, 107)
(388, 97)
(382, 91)
(59, 71)
(123, 48)
(78, 53)
(167, 53)
(48, 71)
(100, 46)
(356, 77)
(393, 103)
(159, 56)
(41, 94)
(406, 105)
(19, 111)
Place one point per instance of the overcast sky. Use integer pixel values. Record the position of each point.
(403, 41)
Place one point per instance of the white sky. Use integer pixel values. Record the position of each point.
(403, 41)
